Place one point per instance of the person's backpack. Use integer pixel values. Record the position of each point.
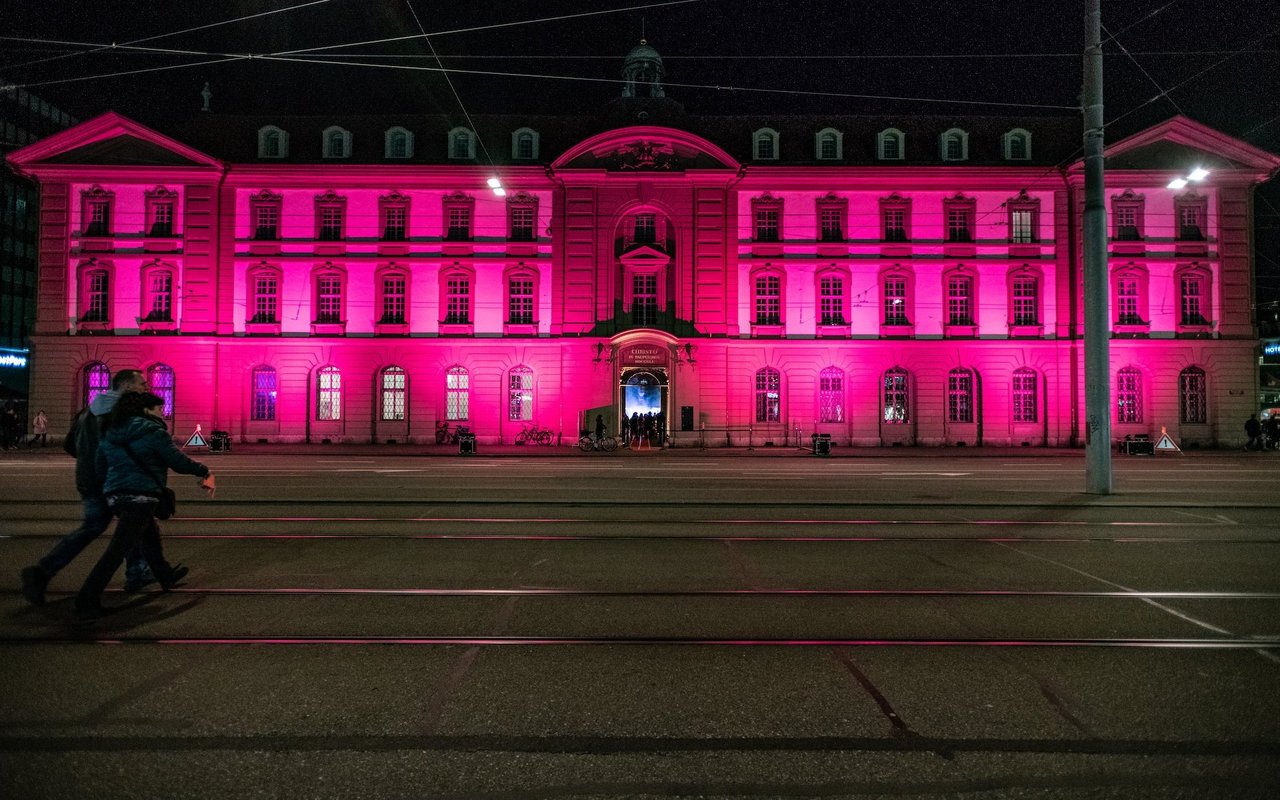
(82, 417)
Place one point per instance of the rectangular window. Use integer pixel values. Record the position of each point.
(99, 213)
(330, 223)
(895, 398)
(97, 297)
(520, 301)
(1024, 396)
(832, 300)
(1191, 222)
(960, 397)
(264, 394)
(1026, 305)
(161, 219)
(646, 229)
(1127, 298)
(644, 300)
(828, 148)
(520, 396)
(1126, 223)
(160, 297)
(1129, 396)
(831, 396)
(959, 301)
(1191, 396)
(265, 299)
(769, 300)
(393, 394)
(895, 301)
(832, 224)
(1022, 226)
(395, 227)
(766, 225)
(329, 396)
(329, 299)
(459, 224)
(1192, 300)
(959, 224)
(522, 224)
(457, 394)
(895, 224)
(266, 222)
(393, 299)
(457, 301)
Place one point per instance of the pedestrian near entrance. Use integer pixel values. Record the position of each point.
(1253, 429)
(600, 427)
(1271, 429)
(135, 456)
(82, 442)
(40, 429)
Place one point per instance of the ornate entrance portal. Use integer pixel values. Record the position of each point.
(644, 388)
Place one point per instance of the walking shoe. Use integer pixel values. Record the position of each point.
(135, 585)
(176, 573)
(34, 581)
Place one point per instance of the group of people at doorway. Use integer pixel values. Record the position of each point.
(1262, 435)
(644, 430)
(123, 454)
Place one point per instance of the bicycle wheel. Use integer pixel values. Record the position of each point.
(544, 437)
(608, 443)
(585, 444)
(521, 438)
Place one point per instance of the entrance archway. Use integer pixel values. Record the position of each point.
(643, 397)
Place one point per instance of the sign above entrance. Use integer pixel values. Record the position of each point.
(644, 355)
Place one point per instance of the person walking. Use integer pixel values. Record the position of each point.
(600, 427)
(1253, 429)
(135, 456)
(10, 433)
(95, 516)
(40, 429)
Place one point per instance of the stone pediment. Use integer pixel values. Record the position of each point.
(122, 151)
(646, 149)
(110, 140)
(1181, 144)
(644, 254)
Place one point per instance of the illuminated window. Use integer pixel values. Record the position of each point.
(768, 300)
(97, 296)
(457, 394)
(644, 299)
(1192, 396)
(159, 295)
(960, 396)
(328, 298)
(264, 394)
(520, 300)
(960, 300)
(767, 219)
(395, 222)
(894, 293)
(768, 395)
(1129, 288)
(1127, 217)
(831, 395)
(1190, 211)
(264, 209)
(645, 229)
(393, 384)
(1129, 395)
(97, 379)
(1024, 395)
(959, 214)
(895, 217)
(160, 378)
(520, 394)
(1024, 219)
(457, 216)
(895, 404)
(832, 211)
(522, 215)
(394, 293)
(98, 216)
(330, 217)
(457, 300)
(266, 298)
(329, 394)
(831, 300)
(160, 205)
(1192, 286)
(1026, 300)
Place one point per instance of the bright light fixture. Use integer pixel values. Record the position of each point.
(500, 192)
(494, 183)
(1198, 174)
(1177, 183)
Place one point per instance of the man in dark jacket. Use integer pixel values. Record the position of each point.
(1253, 429)
(96, 516)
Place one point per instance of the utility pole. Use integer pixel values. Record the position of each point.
(1097, 345)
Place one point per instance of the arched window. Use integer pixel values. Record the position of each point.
(891, 145)
(1129, 395)
(337, 142)
(954, 145)
(329, 394)
(1192, 396)
(765, 144)
(1017, 145)
(161, 379)
(1025, 395)
(399, 143)
(520, 394)
(462, 143)
(97, 379)
(273, 142)
(831, 395)
(524, 144)
(262, 287)
(392, 387)
(896, 402)
(264, 394)
(457, 394)
(960, 396)
(768, 395)
(828, 145)
(157, 297)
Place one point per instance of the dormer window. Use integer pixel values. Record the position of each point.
(337, 142)
(954, 145)
(828, 145)
(399, 143)
(1017, 145)
(765, 144)
(273, 142)
(891, 145)
(524, 144)
(462, 143)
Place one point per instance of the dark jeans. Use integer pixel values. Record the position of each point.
(96, 519)
(43, 437)
(137, 528)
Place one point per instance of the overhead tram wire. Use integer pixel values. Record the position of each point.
(1143, 70)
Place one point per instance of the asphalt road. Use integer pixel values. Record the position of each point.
(672, 624)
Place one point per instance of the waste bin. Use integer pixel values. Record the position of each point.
(219, 442)
(466, 444)
(821, 444)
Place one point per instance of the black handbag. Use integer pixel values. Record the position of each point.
(168, 505)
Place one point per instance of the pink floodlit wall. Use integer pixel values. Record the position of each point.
(727, 374)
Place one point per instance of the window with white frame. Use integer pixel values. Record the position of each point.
(1025, 394)
(831, 299)
(1129, 287)
(520, 394)
(330, 215)
(1025, 297)
(462, 143)
(1193, 296)
(457, 394)
(828, 145)
(1129, 395)
(96, 300)
(398, 143)
(768, 395)
(644, 299)
(831, 395)
(960, 299)
(895, 217)
(328, 298)
(393, 383)
(832, 211)
(891, 145)
(768, 299)
(393, 212)
(644, 229)
(1017, 145)
(97, 379)
(954, 145)
(395, 292)
(337, 142)
(1127, 216)
(960, 396)
(457, 299)
(96, 207)
(1191, 210)
(263, 400)
(1024, 219)
(524, 144)
(329, 394)
(893, 290)
(520, 299)
(1192, 397)
(458, 209)
(765, 144)
(895, 398)
(522, 216)
(265, 297)
(766, 218)
(158, 299)
(160, 380)
(273, 142)
(264, 209)
(160, 206)
(959, 212)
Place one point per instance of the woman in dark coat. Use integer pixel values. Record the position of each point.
(135, 455)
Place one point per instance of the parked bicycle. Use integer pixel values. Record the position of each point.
(532, 434)
(606, 443)
(447, 435)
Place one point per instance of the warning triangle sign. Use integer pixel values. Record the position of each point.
(196, 440)
(1166, 443)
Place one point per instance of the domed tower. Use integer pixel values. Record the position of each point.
(642, 72)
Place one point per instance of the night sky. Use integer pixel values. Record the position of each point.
(1028, 54)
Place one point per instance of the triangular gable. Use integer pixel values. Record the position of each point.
(1180, 143)
(114, 140)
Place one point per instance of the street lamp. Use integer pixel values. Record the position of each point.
(1195, 176)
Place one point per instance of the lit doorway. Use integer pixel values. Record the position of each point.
(642, 401)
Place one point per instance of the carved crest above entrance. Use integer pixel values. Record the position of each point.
(645, 155)
(646, 149)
